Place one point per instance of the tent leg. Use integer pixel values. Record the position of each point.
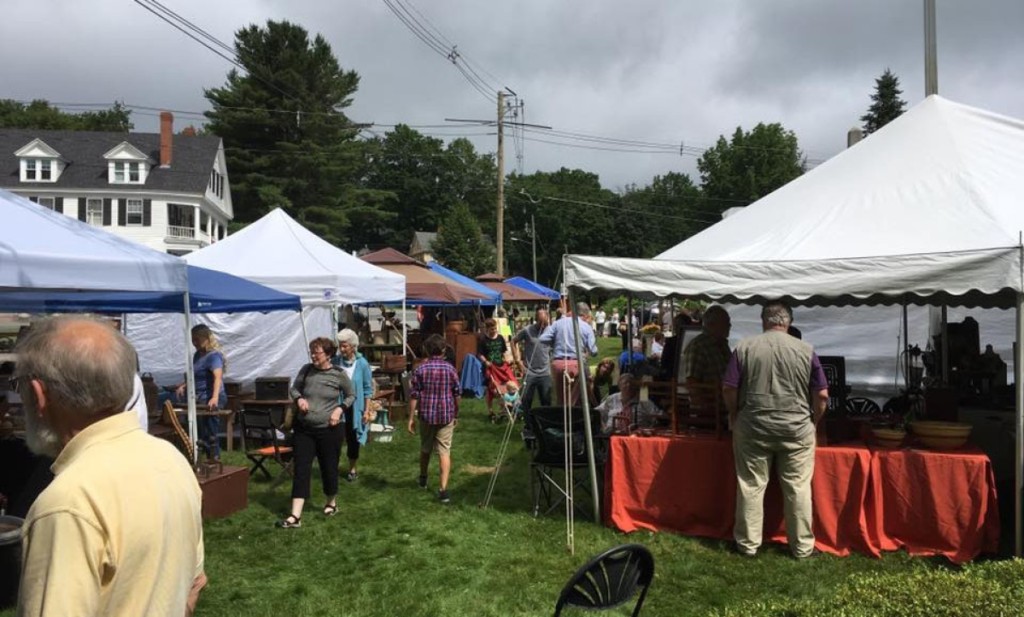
(584, 376)
(302, 320)
(190, 381)
(1018, 468)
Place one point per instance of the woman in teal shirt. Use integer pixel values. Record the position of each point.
(356, 418)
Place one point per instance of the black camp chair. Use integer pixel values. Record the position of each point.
(547, 427)
(610, 580)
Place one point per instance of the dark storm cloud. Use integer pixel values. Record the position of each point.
(672, 72)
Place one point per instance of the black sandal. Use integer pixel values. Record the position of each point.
(290, 522)
(330, 510)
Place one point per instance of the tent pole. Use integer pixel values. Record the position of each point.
(906, 354)
(302, 320)
(190, 382)
(405, 331)
(1018, 364)
(944, 331)
(584, 376)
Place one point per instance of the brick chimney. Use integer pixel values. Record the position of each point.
(166, 137)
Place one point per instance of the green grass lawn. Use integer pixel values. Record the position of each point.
(394, 550)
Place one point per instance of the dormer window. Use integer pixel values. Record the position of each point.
(126, 172)
(126, 164)
(39, 162)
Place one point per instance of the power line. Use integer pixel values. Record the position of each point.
(615, 208)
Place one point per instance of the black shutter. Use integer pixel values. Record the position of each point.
(82, 207)
(33, 199)
(147, 212)
(106, 212)
(122, 212)
(58, 204)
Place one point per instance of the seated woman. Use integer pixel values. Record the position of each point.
(603, 380)
(624, 411)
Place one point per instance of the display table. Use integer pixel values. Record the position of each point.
(865, 500)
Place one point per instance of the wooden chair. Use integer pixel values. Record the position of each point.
(260, 424)
(184, 443)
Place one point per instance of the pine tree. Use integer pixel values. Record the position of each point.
(886, 104)
(460, 245)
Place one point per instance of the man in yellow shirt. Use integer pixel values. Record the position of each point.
(119, 530)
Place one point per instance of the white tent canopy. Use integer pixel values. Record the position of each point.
(278, 252)
(928, 209)
(41, 249)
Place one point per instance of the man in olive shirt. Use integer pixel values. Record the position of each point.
(118, 532)
(775, 391)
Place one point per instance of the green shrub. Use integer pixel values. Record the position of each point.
(993, 588)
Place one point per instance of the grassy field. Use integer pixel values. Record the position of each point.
(394, 550)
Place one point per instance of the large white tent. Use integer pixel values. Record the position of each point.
(930, 209)
(278, 252)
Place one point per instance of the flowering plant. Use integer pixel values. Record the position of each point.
(650, 329)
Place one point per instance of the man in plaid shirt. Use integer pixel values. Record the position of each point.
(434, 394)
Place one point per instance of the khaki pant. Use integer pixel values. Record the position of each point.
(794, 460)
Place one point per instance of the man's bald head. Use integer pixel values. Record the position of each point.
(85, 366)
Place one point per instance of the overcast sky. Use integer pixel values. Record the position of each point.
(647, 70)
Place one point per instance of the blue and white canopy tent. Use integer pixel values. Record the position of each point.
(53, 263)
(537, 288)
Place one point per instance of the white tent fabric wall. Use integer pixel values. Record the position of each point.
(254, 344)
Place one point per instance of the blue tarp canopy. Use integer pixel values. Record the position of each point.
(493, 297)
(210, 291)
(529, 285)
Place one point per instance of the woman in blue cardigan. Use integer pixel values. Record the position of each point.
(358, 370)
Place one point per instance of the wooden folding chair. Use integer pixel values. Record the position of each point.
(260, 426)
(184, 443)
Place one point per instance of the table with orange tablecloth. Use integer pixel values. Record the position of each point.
(687, 484)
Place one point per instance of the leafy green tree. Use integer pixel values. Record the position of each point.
(460, 245)
(39, 114)
(572, 212)
(287, 139)
(425, 179)
(666, 212)
(886, 104)
(747, 167)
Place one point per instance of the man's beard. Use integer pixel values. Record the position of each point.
(40, 437)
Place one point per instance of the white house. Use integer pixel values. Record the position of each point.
(169, 192)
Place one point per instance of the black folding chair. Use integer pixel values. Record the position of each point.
(610, 580)
(260, 440)
(547, 426)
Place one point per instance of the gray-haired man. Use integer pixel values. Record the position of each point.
(118, 531)
(775, 391)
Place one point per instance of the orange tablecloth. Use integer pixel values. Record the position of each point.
(864, 500)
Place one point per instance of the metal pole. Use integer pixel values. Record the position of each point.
(906, 352)
(190, 382)
(584, 375)
(499, 233)
(931, 61)
(1018, 470)
(944, 331)
(405, 331)
(533, 237)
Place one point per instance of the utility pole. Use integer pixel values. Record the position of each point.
(931, 61)
(533, 240)
(500, 234)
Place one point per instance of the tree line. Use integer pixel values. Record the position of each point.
(289, 143)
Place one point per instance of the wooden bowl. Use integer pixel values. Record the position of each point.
(888, 437)
(941, 435)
